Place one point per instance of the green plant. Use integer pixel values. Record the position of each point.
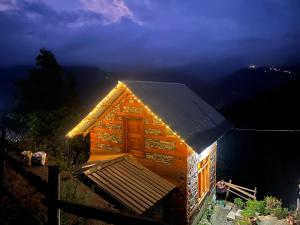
(297, 215)
(252, 207)
(245, 220)
(271, 204)
(248, 212)
(206, 217)
(281, 213)
(239, 203)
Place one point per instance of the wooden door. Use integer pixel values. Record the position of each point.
(134, 138)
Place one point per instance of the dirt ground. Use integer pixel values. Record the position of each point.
(20, 195)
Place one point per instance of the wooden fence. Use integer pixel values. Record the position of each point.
(240, 191)
(52, 200)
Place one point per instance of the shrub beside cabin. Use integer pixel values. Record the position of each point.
(153, 145)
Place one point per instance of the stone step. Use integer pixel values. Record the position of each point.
(231, 216)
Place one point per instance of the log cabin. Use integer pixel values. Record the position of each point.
(153, 142)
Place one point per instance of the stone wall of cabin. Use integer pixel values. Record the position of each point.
(194, 202)
(165, 154)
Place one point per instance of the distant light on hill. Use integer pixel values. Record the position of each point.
(272, 68)
(252, 66)
(277, 69)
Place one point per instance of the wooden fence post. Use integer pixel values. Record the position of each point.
(53, 195)
(227, 193)
(2, 152)
(1, 168)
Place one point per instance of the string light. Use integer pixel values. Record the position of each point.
(82, 125)
(155, 116)
(78, 129)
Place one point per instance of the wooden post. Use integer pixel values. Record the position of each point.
(227, 193)
(2, 162)
(298, 201)
(53, 195)
(255, 192)
(1, 168)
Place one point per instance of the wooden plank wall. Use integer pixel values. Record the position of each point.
(164, 153)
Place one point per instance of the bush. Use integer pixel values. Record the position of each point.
(272, 203)
(243, 221)
(257, 206)
(248, 212)
(239, 203)
(281, 213)
(253, 207)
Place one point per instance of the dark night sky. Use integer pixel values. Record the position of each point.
(151, 33)
(214, 36)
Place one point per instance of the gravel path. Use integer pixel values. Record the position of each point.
(219, 216)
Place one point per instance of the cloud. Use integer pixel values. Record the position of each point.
(116, 33)
(113, 11)
(8, 5)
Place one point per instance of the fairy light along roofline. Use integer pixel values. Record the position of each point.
(91, 116)
(154, 115)
(87, 120)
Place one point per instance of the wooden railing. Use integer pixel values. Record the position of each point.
(240, 191)
(52, 200)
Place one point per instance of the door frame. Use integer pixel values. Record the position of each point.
(125, 134)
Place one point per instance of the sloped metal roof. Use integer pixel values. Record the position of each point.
(130, 183)
(186, 113)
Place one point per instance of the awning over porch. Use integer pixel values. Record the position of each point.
(129, 182)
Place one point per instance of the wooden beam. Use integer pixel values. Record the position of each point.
(53, 195)
(239, 190)
(106, 215)
(238, 194)
(163, 137)
(243, 188)
(2, 166)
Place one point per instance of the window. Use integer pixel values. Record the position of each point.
(203, 177)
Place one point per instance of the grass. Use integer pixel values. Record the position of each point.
(28, 198)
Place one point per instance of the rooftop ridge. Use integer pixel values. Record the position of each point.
(151, 82)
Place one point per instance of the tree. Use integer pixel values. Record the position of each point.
(46, 103)
(46, 60)
(44, 88)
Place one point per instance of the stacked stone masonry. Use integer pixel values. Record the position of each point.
(108, 132)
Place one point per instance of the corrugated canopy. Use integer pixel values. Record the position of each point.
(186, 113)
(130, 183)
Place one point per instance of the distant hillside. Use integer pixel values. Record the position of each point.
(199, 84)
(8, 75)
(274, 109)
(248, 82)
(223, 90)
(220, 92)
(91, 82)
